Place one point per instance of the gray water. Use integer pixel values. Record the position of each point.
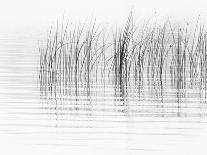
(99, 121)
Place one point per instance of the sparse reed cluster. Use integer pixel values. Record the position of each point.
(148, 56)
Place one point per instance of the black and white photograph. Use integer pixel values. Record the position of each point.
(103, 77)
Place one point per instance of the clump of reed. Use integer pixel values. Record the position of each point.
(72, 57)
(154, 56)
(121, 44)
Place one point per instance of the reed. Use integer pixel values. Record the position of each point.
(156, 56)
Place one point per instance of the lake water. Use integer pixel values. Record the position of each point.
(100, 121)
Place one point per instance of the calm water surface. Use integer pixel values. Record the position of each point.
(101, 120)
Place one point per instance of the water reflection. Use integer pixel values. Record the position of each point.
(160, 100)
(95, 114)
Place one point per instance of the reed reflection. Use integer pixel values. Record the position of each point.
(146, 65)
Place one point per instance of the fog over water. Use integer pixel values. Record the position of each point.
(113, 11)
(99, 117)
